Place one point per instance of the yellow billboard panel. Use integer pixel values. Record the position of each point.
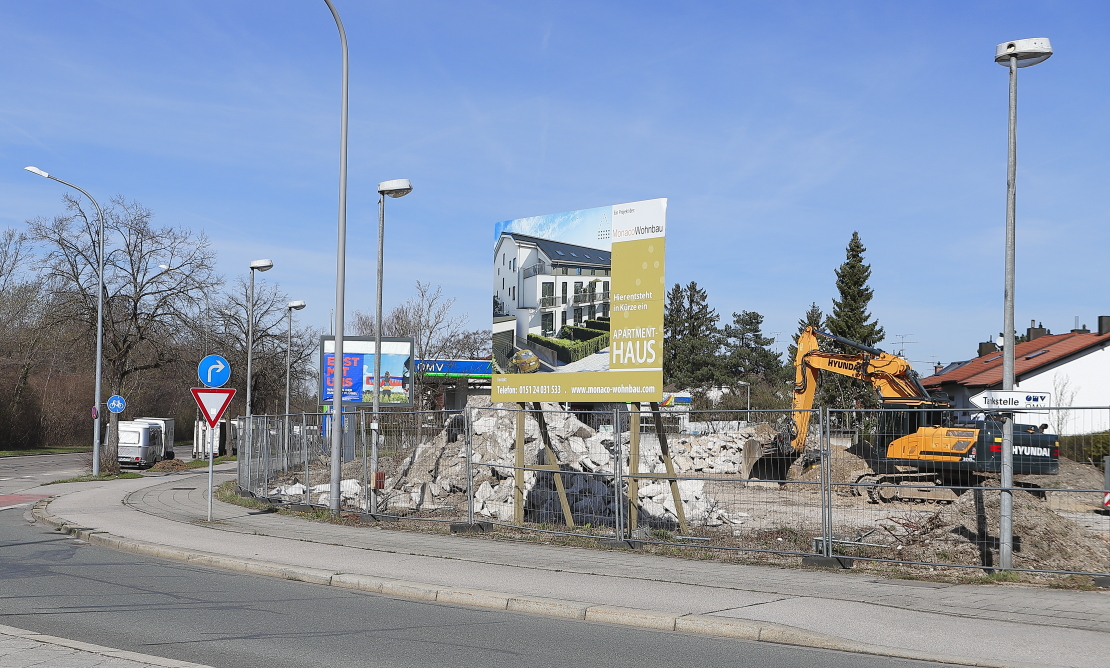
(578, 305)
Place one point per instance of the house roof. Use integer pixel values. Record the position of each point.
(563, 253)
(1044, 351)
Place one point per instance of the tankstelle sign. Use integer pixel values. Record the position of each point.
(578, 305)
(1003, 400)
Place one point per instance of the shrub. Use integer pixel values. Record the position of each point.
(570, 350)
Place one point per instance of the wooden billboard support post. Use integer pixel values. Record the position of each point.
(669, 463)
(633, 465)
(551, 464)
(518, 472)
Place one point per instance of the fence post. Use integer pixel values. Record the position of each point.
(304, 446)
(618, 470)
(469, 450)
(366, 492)
(826, 481)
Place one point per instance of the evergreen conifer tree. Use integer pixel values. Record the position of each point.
(849, 317)
(812, 318)
(748, 352)
(691, 339)
(851, 320)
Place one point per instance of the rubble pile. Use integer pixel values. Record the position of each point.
(433, 474)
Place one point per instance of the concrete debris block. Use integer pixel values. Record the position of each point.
(651, 489)
(484, 491)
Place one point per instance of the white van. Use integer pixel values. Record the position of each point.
(167, 433)
(140, 443)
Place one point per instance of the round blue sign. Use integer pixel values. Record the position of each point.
(116, 403)
(214, 371)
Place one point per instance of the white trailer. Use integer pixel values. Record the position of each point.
(167, 433)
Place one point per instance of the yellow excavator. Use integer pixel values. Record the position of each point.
(917, 443)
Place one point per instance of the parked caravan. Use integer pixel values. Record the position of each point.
(140, 443)
(167, 433)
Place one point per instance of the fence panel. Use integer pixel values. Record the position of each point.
(924, 486)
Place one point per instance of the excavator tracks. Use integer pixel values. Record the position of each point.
(902, 487)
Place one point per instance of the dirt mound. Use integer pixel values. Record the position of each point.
(170, 465)
(843, 467)
(951, 534)
(1073, 475)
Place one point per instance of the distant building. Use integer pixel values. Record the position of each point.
(543, 285)
(1074, 368)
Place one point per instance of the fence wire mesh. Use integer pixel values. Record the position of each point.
(907, 486)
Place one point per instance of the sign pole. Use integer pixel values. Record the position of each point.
(211, 466)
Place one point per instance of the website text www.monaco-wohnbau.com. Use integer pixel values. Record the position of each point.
(590, 389)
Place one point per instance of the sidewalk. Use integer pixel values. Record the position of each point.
(991, 625)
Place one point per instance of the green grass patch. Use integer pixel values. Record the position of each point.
(45, 451)
(96, 478)
(203, 463)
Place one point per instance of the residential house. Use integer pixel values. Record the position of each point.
(1074, 368)
(543, 285)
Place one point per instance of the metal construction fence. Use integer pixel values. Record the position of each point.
(900, 486)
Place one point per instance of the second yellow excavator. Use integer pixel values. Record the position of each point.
(916, 443)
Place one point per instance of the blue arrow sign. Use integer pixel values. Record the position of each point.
(214, 371)
(116, 403)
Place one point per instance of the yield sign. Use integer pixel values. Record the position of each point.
(213, 401)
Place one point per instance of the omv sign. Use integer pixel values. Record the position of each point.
(455, 368)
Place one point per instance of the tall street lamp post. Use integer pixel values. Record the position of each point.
(394, 188)
(99, 318)
(256, 265)
(1014, 55)
(292, 306)
(340, 281)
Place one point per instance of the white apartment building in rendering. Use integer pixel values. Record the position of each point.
(546, 284)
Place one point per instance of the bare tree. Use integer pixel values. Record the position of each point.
(146, 308)
(1065, 397)
(269, 354)
(437, 333)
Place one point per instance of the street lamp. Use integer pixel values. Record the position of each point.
(99, 318)
(340, 281)
(293, 306)
(1014, 55)
(256, 265)
(395, 188)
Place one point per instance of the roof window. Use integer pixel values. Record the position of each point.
(560, 252)
(992, 359)
(573, 255)
(1036, 354)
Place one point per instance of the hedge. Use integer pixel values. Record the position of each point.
(569, 350)
(599, 324)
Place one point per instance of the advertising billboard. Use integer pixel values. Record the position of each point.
(358, 371)
(578, 305)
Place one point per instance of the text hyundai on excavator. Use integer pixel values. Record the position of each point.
(918, 442)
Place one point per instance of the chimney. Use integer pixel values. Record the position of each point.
(1034, 331)
(1103, 324)
(938, 368)
(1078, 329)
(986, 348)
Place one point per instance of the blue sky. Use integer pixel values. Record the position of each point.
(774, 128)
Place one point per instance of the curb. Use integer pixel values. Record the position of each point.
(13, 632)
(709, 625)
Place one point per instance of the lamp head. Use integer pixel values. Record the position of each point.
(296, 306)
(395, 188)
(262, 265)
(36, 170)
(1029, 52)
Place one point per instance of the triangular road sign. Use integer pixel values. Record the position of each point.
(213, 401)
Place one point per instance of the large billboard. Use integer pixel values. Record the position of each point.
(578, 305)
(358, 371)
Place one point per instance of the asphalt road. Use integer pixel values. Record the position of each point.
(57, 585)
(20, 473)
